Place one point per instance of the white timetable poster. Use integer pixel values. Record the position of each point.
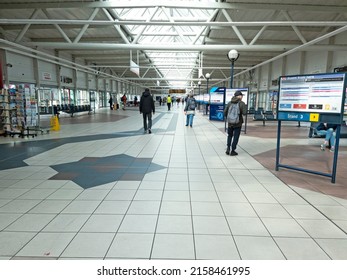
(322, 93)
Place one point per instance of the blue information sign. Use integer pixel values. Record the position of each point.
(217, 97)
(293, 116)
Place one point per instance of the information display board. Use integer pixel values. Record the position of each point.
(217, 97)
(231, 91)
(318, 97)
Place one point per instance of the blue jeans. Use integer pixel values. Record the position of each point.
(329, 134)
(189, 119)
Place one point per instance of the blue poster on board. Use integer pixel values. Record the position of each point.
(217, 99)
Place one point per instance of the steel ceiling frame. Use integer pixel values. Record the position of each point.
(130, 41)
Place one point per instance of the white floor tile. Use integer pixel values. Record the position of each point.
(173, 246)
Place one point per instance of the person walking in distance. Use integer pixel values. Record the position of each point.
(234, 112)
(189, 109)
(168, 102)
(146, 109)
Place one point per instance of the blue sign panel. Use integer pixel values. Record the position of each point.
(293, 116)
(217, 112)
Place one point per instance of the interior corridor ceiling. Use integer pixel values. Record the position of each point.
(172, 44)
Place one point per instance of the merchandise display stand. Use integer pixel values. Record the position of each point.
(18, 112)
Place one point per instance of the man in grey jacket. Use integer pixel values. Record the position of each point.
(234, 129)
(146, 109)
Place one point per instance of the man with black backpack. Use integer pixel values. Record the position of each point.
(233, 113)
(189, 109)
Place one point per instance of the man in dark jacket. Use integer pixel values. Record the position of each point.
(234, 130)
(146, 109)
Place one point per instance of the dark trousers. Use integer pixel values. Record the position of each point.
(233, 135)
(169, 106)
(147, 116)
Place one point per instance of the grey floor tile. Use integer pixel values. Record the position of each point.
(175, 196)
(50, 206)
(144, 207)
(120, 194)
(46, 245)
(37, 194)
(270, 210)
(7, 218)
(127, 185)
(335, 212)
(92, 194)
(173, 246)
(98, 244)
(12, 193)
(31, 222)
(289, 198)
(238, 209)
(210, 225)
(251, 226)
(206, 196)
(138, 224)
(113, 207)
(301, 249)
(4, 202)
(148, 195)
(260, 197)
(319, 199)
(341, 224)
(12, 242)
(175, 208)
(67, 223)
(19, 206)
(207, 209)
(174, 224)
(212, 247)
(280, 227)
(335, 248)
(102, 223)
(303, 212)
(65, 194)
(148, 185)
(322, 229)
(258, 248)
(131, 246)
(176, 186)
(81, 207)
(226, 196)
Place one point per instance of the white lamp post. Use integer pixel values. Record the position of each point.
(233, 55)
(208, 75)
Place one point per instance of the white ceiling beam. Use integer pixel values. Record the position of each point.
(236, 30)
(167, 14)
(173, 47)
(60, 30)
(117, 27)
(140, 33)
(113, 22)
(197, 36)
(26, 27)
(295, 28)
(261, 31)
(85, 27)
(176, 4)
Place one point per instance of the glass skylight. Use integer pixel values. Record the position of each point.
(171, 65)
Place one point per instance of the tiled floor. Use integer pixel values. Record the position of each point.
(102, 189)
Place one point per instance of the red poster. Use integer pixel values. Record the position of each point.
(300, 106)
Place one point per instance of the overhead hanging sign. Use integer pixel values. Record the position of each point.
(134, 68)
